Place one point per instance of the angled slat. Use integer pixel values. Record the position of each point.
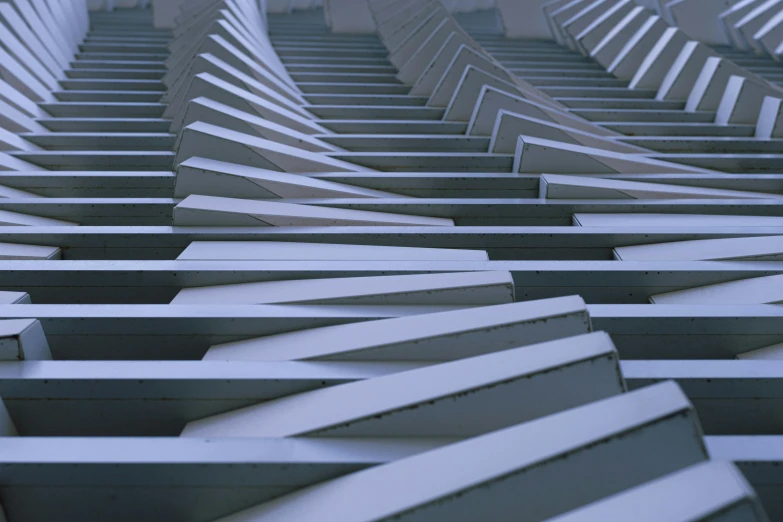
(424, 402)
(269, 250)
(219, 178)
(209, 210)
(472, 288)
(444, 336)
(701, 492)
(431, 481)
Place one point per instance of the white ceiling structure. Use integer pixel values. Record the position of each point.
(374, 260)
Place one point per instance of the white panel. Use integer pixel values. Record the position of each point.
(612, 44)
(14, 297)
(202, 139)
(23, 340)
(742, 101)
(711, 83)
(592, 35)
(469, 90)
(220, 115)
(17, 112)
(442, 336)
(552, 8)
(413, 68)
(764, 248)
(245, 56)
(770, 36)
(10, 251)
(272, 251)
(440, 64)
(450, 81)
(675, 220)
(768, 353)
(628, 60)
(754, 21)
(491, 101)
(534, 155)
(710, 491)
(509, 126)
(758, 290)
(8, 192)
(561, 462)
(396, 30)
(732, 16)
(219, 178)
(16, 219)
(581, 187)
(469, 288)
(770, 122)
(461, 398)
(18, 50)
(13, 20)
(207, 210)
(8, 162)
(11, 142)
(679, 80)
(586, 16)
(394, 16)
(556, 13)
(37, 26)
(216, 89)
(418, 36)
(270, 91)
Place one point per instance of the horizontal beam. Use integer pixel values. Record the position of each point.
(157, 282)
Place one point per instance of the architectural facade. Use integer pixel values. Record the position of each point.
(375, 260)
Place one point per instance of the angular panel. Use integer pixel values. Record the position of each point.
(208, 210)
(462, 398)
(764, 248)
(23, 340)
(760, 290)
(708, 491)
(537, 155)
(675, 220)
(469, 289)
(219, 178)
(430, 337)
(202, 139)
(575, 467)
(271, 250)
(554, 186)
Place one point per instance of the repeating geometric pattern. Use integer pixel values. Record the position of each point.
(369, 260)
